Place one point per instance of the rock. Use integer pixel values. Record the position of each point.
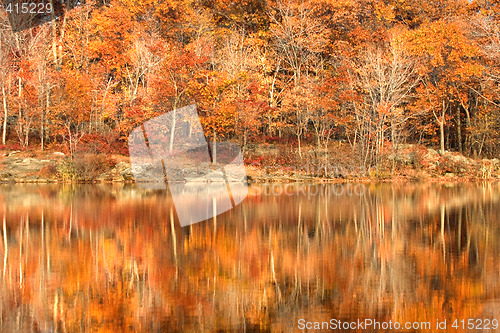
(26, 170)
(204, 165)
(403, 157)
(127, 175)
(235, 178)
(58, 154)
(432, 153)
(13, 153)
(457, 158)
(120, 172)
(431, 158)
(122, 167)
(449, 175)
(214, 176)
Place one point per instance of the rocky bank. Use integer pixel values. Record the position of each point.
(410, 162)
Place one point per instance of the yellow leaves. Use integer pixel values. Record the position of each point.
(111, 31)
(468, 70)
(384, 12)
(340, 3)
(445, 53)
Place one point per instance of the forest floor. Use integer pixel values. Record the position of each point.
(264, 163)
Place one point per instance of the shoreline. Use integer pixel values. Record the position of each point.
(26, 167)
(260, 180)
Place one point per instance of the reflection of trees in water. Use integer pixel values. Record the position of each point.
(104, 257)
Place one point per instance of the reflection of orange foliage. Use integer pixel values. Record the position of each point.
(109, 263)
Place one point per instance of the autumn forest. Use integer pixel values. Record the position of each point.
(373, 74)
(352, 90)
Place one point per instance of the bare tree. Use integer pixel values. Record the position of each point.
(299, 36)
(5, 46)
(484, 126)
(299, 39)
(384, 78)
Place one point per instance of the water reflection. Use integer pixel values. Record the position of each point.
(114, 258)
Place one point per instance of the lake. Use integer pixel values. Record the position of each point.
(113, 258)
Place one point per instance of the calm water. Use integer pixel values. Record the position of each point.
(113, 258)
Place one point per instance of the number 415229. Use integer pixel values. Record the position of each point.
(478, 324)
(29, 8)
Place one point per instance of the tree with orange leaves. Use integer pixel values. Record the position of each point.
(447, 60)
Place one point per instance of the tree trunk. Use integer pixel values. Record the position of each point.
(54, 33)
(42, 123)
(441, 133)
(394, 145)
(459, 131)
(300, 150)
(61, 39)
(244, 141)
(19, 94)
(27, 137)
(70, 142)
(440, 121)
(468, 145)
(172, 132)
(214, 149)
(5, 111)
